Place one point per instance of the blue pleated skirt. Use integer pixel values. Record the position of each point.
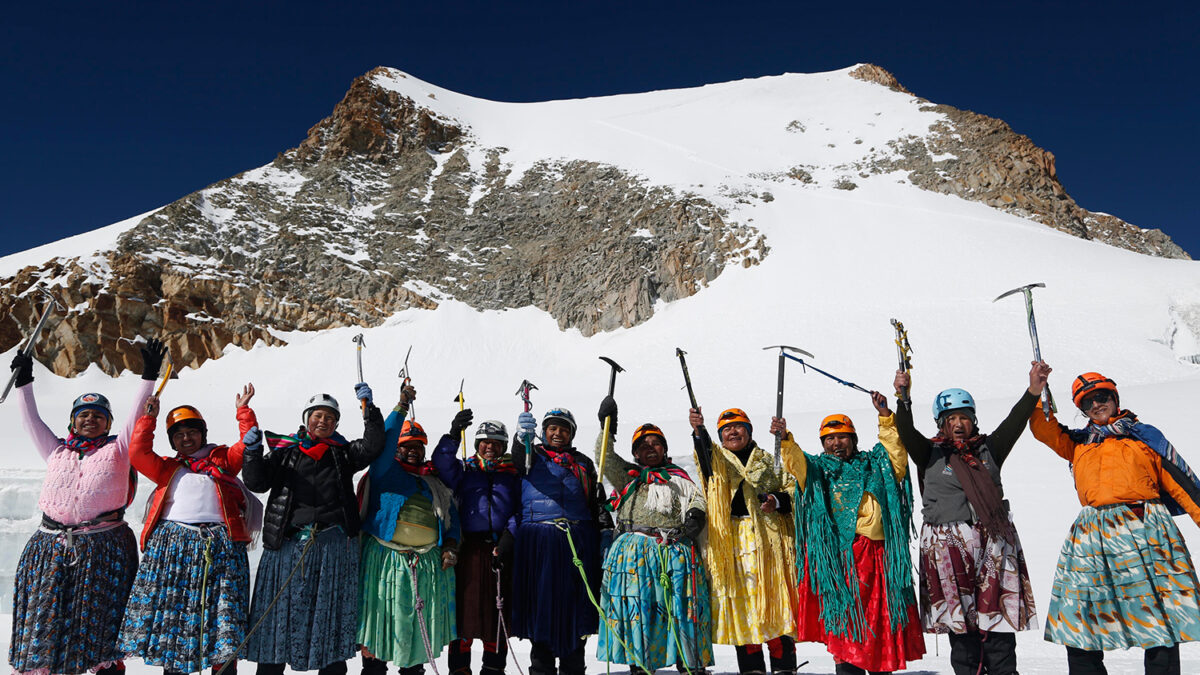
(550, 601)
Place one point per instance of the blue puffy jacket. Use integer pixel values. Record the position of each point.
(487, 500)
(551, 491)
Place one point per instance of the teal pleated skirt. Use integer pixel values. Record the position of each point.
(387, 607)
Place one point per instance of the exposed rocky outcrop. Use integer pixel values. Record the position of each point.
(981, 158)
(378, 210)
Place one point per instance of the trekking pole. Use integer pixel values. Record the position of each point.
(687, 379)
(27, 349)
(462, 402)
(904, 354)
(783, 349)
(612, 386)
(1027, 290)
(360, 343)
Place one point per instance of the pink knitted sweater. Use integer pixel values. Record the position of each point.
(77, 488)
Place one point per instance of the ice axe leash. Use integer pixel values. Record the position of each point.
(612, 386)
(828, 374)
(27, 348)
(359, 344)
(1027, 290)
(461, 403)
(783, 349)
(687, 379)
(904, 354)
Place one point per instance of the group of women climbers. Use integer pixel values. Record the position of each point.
(441, 551)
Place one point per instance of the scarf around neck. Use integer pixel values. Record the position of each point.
(502, 465)
(306, 444)
(1126, 424)
(658, 475)
(423, 469)
(566, 459)
(84, 445)
(981, 491)
(825, 530)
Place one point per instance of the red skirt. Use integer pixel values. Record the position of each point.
(882, 648)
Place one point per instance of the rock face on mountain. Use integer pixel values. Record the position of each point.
(388, 204)
(982, 159)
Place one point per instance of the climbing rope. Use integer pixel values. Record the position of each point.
(501, 626)
(419, 605)
(207, 536)
(611, 623)
(309, 535)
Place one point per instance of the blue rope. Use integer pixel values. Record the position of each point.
(831, 376)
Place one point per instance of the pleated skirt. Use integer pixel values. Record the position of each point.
(1123, 581)
(69, 600)
(188, 608)
(398, 590)
(315, 616)
(550, 600)
(657, 625)
(477, 608)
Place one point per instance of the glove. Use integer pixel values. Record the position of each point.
(608, 407)
(462, 420)
(527, 427)
(153, 353)
(23, 364)
(693, 524)
(505, 548)
(252, 438)
(363, 392)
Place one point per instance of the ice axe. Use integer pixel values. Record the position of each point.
(612, 386)
(523, 392)
(904, 353)
(687, 379)
(405, 380)
(462, 402)
(783, 357)
(27, 349)
(1027, 290)
(358, 340)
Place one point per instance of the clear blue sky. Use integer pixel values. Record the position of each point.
(114, 108)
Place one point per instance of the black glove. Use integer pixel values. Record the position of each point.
(693, 524)
(608, 407)
(462, 420)
(153, 353)
(505, 547)
(23, 364)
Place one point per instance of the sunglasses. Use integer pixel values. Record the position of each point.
(1100, 397)
(834, 424)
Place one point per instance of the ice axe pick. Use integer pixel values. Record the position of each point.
(783, 349)
(612, 386)
(1027, 290)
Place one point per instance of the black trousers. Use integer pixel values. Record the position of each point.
(1158, 661)
(543, 662)
(997, 652)
(783, 656)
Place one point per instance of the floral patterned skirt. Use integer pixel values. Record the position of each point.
(972, 583)
(69, 598)
(188, 608)
(661, 626)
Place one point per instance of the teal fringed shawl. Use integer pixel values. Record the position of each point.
(825, 524)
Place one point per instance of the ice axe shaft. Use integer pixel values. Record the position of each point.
(27, 348)
(687, 379)
(461, 404)
(358, 340)
(612, 386)
(783, 356)
(1027, 290)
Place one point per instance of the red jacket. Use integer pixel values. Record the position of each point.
(162, 469)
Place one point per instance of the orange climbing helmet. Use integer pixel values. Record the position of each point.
(1089, 383)
(645, 430)
(837, 424)
(411, 431)
(734, 416)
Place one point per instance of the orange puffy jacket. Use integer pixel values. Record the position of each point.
(1113, 471)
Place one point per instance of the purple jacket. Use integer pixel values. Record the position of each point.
(488, 501)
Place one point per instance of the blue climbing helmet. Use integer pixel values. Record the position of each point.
(953, 399)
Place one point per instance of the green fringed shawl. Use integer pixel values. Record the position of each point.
(825, 524)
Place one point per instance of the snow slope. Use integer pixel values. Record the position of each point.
(841, 264)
